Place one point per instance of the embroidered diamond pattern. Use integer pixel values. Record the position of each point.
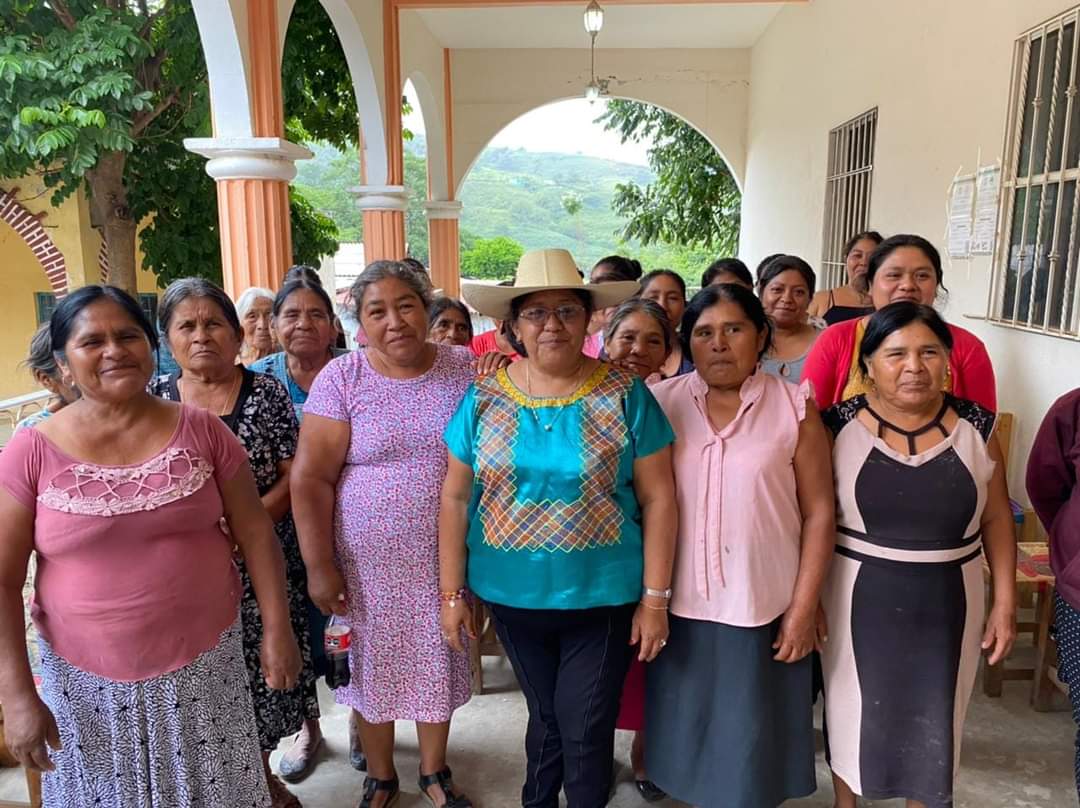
(592, 519)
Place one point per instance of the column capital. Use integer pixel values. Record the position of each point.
(440, 209)
(381, 197)
(248, 158)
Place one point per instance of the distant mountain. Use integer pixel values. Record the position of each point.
(509, 192)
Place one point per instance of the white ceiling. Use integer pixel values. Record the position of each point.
(691, 25)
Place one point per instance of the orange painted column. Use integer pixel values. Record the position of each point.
(383, 209)
(444, 246)
(253, 174)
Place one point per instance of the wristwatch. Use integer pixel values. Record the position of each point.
(657, 593)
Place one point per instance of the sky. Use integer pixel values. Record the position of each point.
(566, 127)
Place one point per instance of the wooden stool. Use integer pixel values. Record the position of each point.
(1034, 581)
(486, 644)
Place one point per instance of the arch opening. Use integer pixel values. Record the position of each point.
(576, 208)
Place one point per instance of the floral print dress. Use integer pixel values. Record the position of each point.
(264, 421)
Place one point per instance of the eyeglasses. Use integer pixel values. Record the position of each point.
(566, 314)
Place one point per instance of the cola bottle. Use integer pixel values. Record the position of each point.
(336, 639)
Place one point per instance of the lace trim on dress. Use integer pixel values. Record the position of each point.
(92, 490)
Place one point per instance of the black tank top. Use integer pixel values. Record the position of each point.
(837, 314)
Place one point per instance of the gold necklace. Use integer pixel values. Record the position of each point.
(528, 389)
(228, 398)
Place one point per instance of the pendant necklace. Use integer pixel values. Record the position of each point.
(534, 410)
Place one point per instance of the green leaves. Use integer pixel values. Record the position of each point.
(694, 200)
(491, 259)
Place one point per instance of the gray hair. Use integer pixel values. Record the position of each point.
(185, 288)
(382, 270)
(248, 298)
(636, 305)
(41, 358)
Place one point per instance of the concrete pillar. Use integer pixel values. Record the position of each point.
(444, 245)
(383, 209)
(253, 176)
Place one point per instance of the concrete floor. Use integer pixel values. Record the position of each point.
(1013, 757)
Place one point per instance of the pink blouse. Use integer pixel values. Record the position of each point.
(135, 576)
(740, 528)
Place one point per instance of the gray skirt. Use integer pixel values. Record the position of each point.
(185, 739)
(725, 725)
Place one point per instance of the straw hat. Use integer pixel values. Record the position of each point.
(543, 271)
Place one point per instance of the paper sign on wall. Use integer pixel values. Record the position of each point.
(961, 207)
(987, 187)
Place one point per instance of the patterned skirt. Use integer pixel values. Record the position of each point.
(185, 739)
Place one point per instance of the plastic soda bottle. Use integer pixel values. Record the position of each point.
(336, 639)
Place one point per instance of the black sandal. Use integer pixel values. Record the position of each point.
(443, 780)
(371, 786)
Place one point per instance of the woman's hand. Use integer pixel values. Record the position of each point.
(821, 633)
(1000, 631)
(798, 632)
(455, 618)
(28, 727)
(326, 588)
(650, 628)
(280, 659)
(490, 363)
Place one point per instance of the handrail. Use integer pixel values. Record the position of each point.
(15, 409)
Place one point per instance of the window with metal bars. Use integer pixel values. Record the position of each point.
(1034, 284)
(847, 192)
(45, 305)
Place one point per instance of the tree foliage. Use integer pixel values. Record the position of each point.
(103, 92)
(491, 259)
(693, 201)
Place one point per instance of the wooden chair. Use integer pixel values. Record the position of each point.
(486, 644)
(1034, 583)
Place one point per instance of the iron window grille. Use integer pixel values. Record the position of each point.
(848, 185)
(1034, 280)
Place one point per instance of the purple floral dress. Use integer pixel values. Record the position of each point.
(386, 534)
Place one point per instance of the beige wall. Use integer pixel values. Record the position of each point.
(939, 75)
(708, 88)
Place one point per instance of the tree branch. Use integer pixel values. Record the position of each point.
(63, 13)
(140, 125)
(148, 26)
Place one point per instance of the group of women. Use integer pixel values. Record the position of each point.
(661, 523)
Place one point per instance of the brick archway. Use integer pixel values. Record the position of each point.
(29, 228)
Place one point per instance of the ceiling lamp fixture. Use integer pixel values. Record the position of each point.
(594, 21)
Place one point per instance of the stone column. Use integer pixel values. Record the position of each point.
(253, 176)
(383, 209)
(444, 245)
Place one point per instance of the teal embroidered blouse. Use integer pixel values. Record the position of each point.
(553, 520)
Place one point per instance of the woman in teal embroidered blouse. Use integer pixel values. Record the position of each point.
(559, 501)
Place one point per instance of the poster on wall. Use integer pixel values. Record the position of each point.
(961, 204)
(984, 232)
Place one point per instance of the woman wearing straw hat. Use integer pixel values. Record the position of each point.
(558, 510)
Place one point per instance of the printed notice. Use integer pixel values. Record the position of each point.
(961, 202)
(984, 232)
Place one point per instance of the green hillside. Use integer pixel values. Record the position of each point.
(509, 192)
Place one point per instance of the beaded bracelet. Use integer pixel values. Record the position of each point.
(451, 598)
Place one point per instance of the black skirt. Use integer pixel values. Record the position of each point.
(725, 725)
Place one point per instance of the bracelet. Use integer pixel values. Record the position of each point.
(663, 608)
(657, 593)
(451, 598)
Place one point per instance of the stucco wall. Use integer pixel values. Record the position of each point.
(708, 88)
(23, 277)
(939, 75)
